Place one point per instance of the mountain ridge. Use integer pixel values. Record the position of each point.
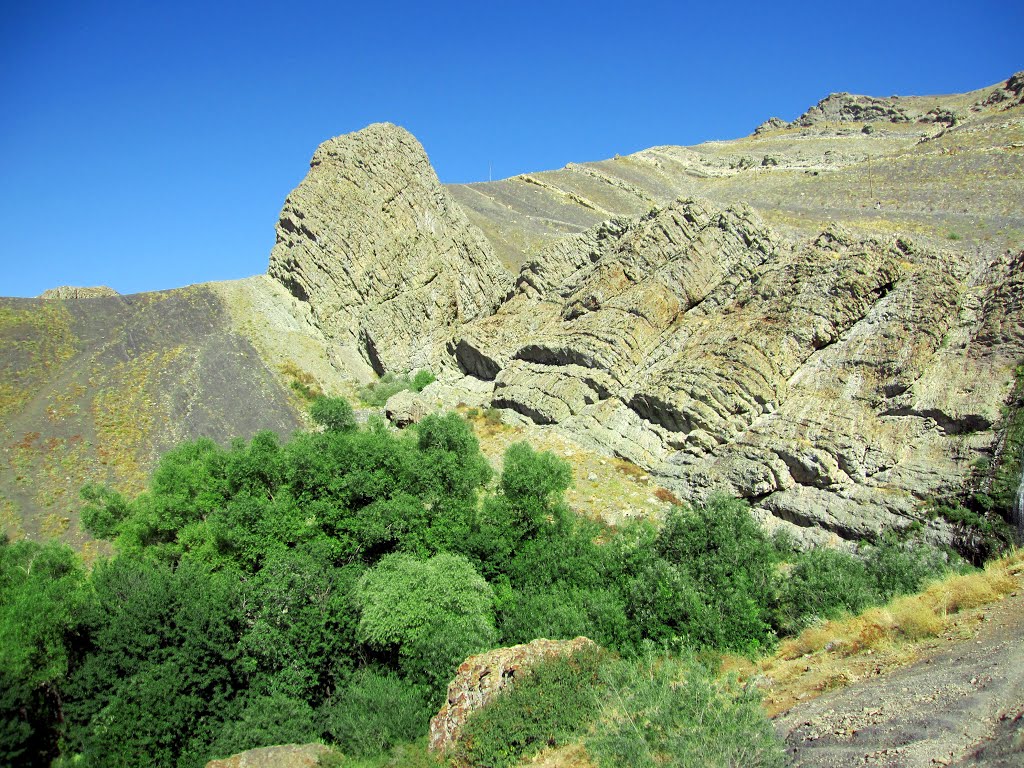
(617, 301)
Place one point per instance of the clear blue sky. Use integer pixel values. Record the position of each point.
(148, 145)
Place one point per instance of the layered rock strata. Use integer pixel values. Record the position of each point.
(385, 259)
(812, 378)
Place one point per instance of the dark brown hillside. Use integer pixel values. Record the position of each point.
(95, 389)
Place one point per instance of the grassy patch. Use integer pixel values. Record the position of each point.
(10, 520)
(380, 391)
(124, 414)
(835, 653)
(301, 382)
(37, 340)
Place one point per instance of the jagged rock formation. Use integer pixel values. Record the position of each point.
(823, 317)
(812, 378)
(76, 292)
(481, 678)
(386, 261)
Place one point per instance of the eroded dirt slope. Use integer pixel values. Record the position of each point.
(961, 703)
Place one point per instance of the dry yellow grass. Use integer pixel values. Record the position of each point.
(836, 653)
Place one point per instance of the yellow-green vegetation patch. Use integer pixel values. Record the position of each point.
(10, 520)
(38, 340)
(302, 383)
(124, 413)
(65, 403)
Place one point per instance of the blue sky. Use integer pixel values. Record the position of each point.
(148, 145)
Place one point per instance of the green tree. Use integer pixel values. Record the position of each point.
(722, 575)
(333, 414)
(158, 673)
(42, 593)
(433, 612)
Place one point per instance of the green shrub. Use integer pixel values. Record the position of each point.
(899, 568)
(376, 711)
(722, 576)
(333, 413)
(265, 721)
(422, 379)
(663, 711)
(377, 393)
(549, 705)
(822, 584)
(435, 612)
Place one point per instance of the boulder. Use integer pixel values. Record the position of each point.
(285, 756)
(481, 678)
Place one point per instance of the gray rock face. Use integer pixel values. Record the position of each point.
(835, 380)
(812, 378)
(385, 259)
(846, 107)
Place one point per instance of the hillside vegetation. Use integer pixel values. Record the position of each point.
(277, 592)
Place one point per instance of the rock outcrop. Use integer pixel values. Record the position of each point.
(809, 377)
(285, 756)
(481, 678)
(77, 292)
(387, 262)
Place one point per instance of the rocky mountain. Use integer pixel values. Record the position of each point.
(377, 248)
(824, 317)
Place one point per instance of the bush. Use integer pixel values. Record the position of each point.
(822, 584)
(675, 712)
(549, 705)
(333, 414)
(376, 711)
(265, 721)
(379, 392)
(434, 612)
(722, 575)
(899, 568)
(422, 379)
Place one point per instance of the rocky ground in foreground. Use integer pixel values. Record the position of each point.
(961, 703)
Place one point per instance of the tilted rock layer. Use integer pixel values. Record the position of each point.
(836, 374)
(386, 260)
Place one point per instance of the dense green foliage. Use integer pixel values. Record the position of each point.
(675, 711)
(652, 710)
(333, 413)
(378, 393)
(553, 703)
(326, 588)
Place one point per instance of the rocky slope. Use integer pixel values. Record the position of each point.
(823, 317)
(95, 389)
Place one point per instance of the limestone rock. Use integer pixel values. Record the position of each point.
(810, 377)
(285, 756)
(845, 107)
(387, 262)
(77, 292)
(481, 678)
(771, 124)
(405, 408)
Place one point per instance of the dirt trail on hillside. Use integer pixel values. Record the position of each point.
(961, 704)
